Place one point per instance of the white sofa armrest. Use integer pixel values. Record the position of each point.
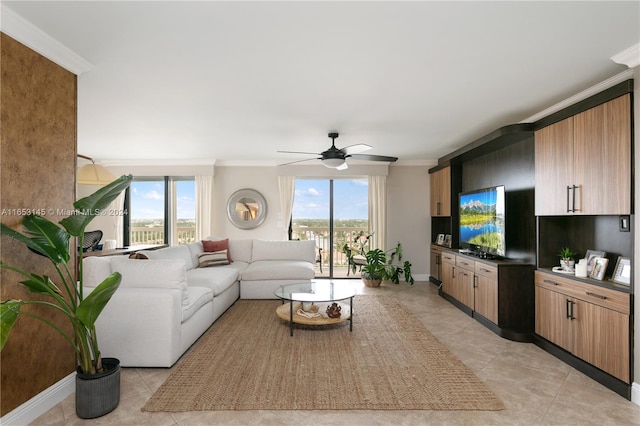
(141, 327)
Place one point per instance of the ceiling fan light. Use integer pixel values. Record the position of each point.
(333, 163)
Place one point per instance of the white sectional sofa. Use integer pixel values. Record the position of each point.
(167, 301)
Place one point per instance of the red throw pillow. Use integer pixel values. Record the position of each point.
(212, 246)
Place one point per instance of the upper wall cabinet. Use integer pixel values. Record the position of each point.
(583, 163)
(441, 192)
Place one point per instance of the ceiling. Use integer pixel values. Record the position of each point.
(236, 81)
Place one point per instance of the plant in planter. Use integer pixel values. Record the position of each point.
(380, 267)
(567, 258)
(52, 241)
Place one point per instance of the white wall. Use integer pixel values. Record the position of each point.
(408, 216)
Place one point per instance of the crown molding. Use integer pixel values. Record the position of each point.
(151, 162)
(629, 57)
(593, 90)
(33, 37)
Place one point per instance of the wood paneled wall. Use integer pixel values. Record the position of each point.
(38, 163)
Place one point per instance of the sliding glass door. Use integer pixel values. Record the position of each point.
(332, 212)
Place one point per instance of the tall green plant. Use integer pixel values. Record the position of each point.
(51, 240)
(381, 266)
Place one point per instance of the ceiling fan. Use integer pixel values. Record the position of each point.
(335, 158)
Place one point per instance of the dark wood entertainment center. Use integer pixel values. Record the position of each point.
(554, 187)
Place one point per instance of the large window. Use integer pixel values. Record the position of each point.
(332, 213)
(161, 211)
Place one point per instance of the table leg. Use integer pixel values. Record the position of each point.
(351, 314)
(291, 318)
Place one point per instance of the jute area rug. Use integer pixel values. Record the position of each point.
(248, 361)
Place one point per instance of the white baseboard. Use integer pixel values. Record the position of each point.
(41, 403)
(635, 393)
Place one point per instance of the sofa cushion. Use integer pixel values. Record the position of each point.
(215, 258)
(174, 252)
(153, 273)
(239, 250)
(94, 270)
(278, 270)
(217, 279)
(214, 246)
(284, 250)
(198, 297)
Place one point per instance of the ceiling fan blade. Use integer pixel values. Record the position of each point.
(298, 161)
(352, 149)
(299, 152)
(368, 157)
(344, 166)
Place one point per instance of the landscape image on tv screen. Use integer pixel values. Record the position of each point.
(482, 220)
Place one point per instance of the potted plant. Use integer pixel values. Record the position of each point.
(567, 258)
(45, 238)
(380, 267)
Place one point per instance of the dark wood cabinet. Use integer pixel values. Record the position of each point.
(498, 293)
(583, 163)
(590, 322)
(440, 186)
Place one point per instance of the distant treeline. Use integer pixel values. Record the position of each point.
(324, 223)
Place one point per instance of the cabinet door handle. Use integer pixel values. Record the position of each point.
(574, 199)
(453, 272)
(568, 190)
(567, 306)
(438, 208)
(572, 305)
(484, 270)
(437, 259)
(475, 282)
(550, 282)
(596, 295)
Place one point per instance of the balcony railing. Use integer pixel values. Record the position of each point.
(320, 235)
(155, 235)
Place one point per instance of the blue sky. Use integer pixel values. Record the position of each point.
(312, 199)
(147, 200)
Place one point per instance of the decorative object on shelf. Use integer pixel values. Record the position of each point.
(622, 271)
(309, 314)
(334, 310)
(447, 240)
(379, 267)
(246, 208)
(309, 307)
(599, 268)
(591, 255)
(97, 378)
(581, 268)
(567, 258)
(561, 270)
(440, 240)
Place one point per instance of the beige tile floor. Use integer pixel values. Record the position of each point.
(537, 389)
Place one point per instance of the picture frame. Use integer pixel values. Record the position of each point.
(447, 240)
(599, 268)
(440, 240)
(622, 271)
(591, 255)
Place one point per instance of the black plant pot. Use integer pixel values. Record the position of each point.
(98, 394)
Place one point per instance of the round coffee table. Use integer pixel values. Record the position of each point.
(315, 292)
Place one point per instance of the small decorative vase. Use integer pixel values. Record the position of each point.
(567, 265)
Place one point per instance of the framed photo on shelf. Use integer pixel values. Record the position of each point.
(447, 240)
(622, 271)
(591, 256)
(440, 240)
(599, 268)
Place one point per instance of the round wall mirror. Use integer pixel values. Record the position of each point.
(247, 208)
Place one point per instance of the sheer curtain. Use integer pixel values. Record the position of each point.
(204, 208)
(287, 185)
(378, 211)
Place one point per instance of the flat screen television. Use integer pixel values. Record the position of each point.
(482, 221)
